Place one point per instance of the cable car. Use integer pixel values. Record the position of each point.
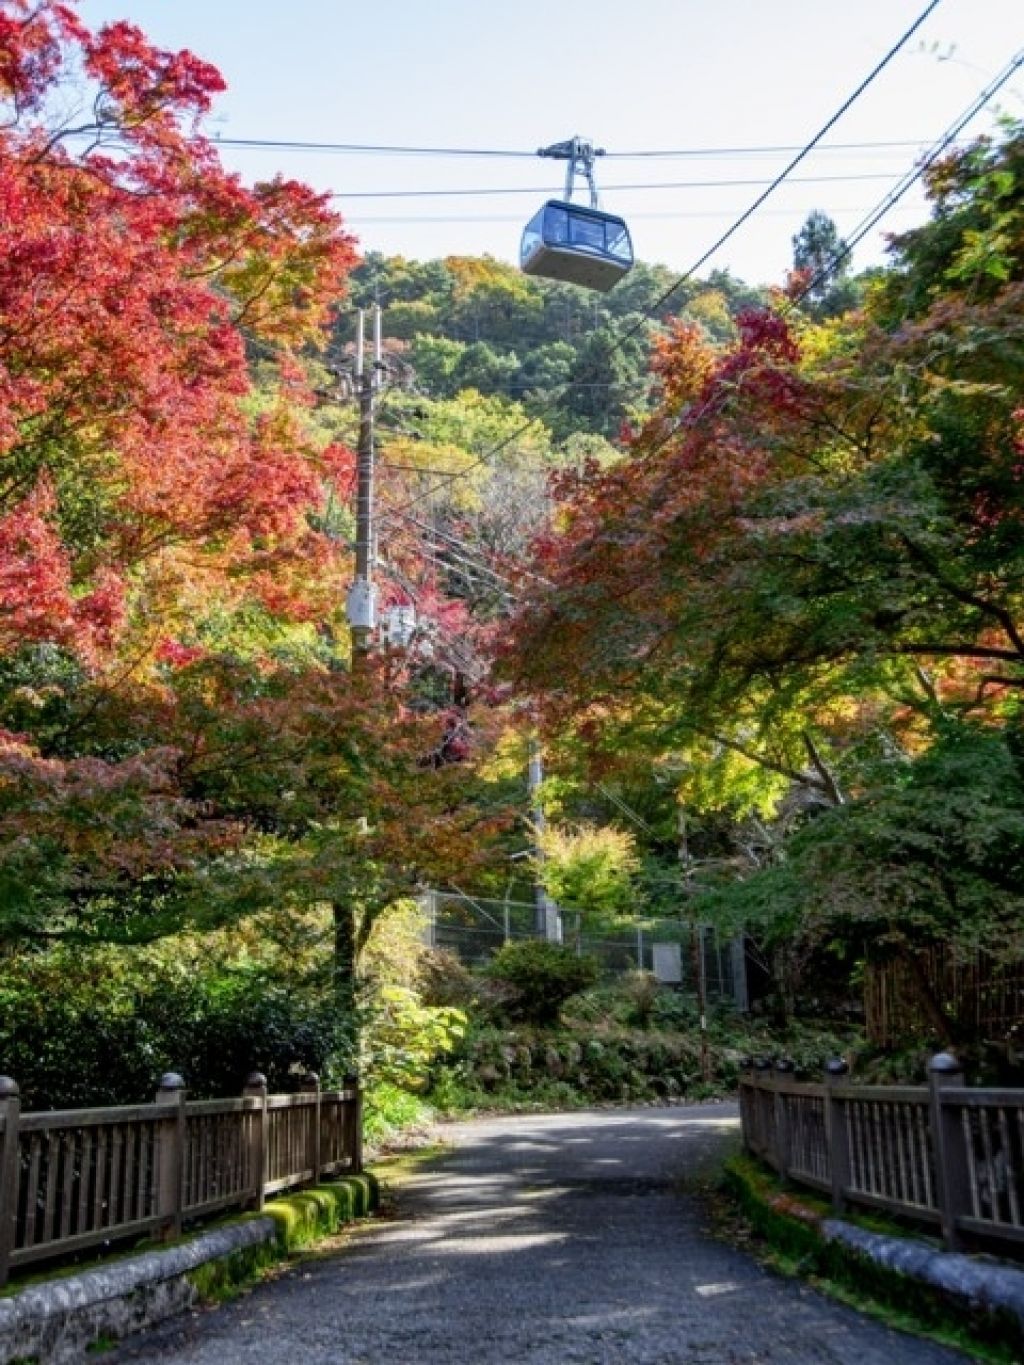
(572, 242)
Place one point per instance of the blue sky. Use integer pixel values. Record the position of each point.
(634, 75)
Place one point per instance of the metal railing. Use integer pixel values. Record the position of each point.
(944, 1154)
(77, 1178)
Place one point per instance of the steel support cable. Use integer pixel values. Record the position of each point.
(558, 394)
(941, 145)
(722, 239)
(648, 185)
(792, 164)
(909, 180)
(667, 154)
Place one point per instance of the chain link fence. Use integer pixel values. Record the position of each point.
(679, 953)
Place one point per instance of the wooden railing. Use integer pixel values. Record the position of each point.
(78, 1178)
(943, 1154)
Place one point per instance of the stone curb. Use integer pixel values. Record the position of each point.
(980, 1286)
(977, 1283)
(56, 1321)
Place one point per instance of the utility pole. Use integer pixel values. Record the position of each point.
(362, 597)
(697, 961)
(543, 907)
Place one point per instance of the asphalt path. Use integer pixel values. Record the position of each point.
(543, 1239)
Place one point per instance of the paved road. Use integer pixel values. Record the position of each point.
(542, 1240)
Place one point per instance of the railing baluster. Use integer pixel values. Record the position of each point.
(52, 1163)
(926, 1150)
(85, 1179)
(971, 1163)
(870, 1182)
(67, 1182)
(1008, 1165)
(116, 1176)
(991, 1179)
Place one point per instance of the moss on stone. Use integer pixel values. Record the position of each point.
(791, 1226)
(308, 1214)
(300, 1219)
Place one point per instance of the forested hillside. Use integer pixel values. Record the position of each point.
(746, 559)
(798, 601)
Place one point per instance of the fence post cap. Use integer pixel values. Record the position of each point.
(762, 1064)
(171, 1080)
(746, 1063)
(944, 1062)
(836, 1066)
(310, 1081)
(8, 1088)
(785, 1064)
(255, 1081)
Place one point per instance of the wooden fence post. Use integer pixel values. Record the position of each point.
(355, 1143)
(837, 1136)
(171, 1134)
(952, 1176)
(10, 1112)
(255, 1088)
(783, 1068)
(310, 1084)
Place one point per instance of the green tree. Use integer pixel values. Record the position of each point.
(821, 265)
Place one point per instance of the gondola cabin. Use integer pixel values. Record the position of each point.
(578, 245)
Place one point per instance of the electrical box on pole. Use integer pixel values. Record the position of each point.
(399, 626)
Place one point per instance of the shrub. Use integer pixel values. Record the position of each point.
(542, 977)
(444, 980)
(81, 1027)
(642, 989)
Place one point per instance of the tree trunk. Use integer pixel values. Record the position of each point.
(782, 987)
(343, 969)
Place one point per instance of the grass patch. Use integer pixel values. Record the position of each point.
(787, 1227)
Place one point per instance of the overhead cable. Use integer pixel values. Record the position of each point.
(487, 191)
(724, 237)
(667, 154)
(910, 179)
(796, 160)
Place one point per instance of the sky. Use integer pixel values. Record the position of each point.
(693, 76)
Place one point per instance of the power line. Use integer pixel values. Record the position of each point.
(447, 546)
(473, 573)
(463, 545)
